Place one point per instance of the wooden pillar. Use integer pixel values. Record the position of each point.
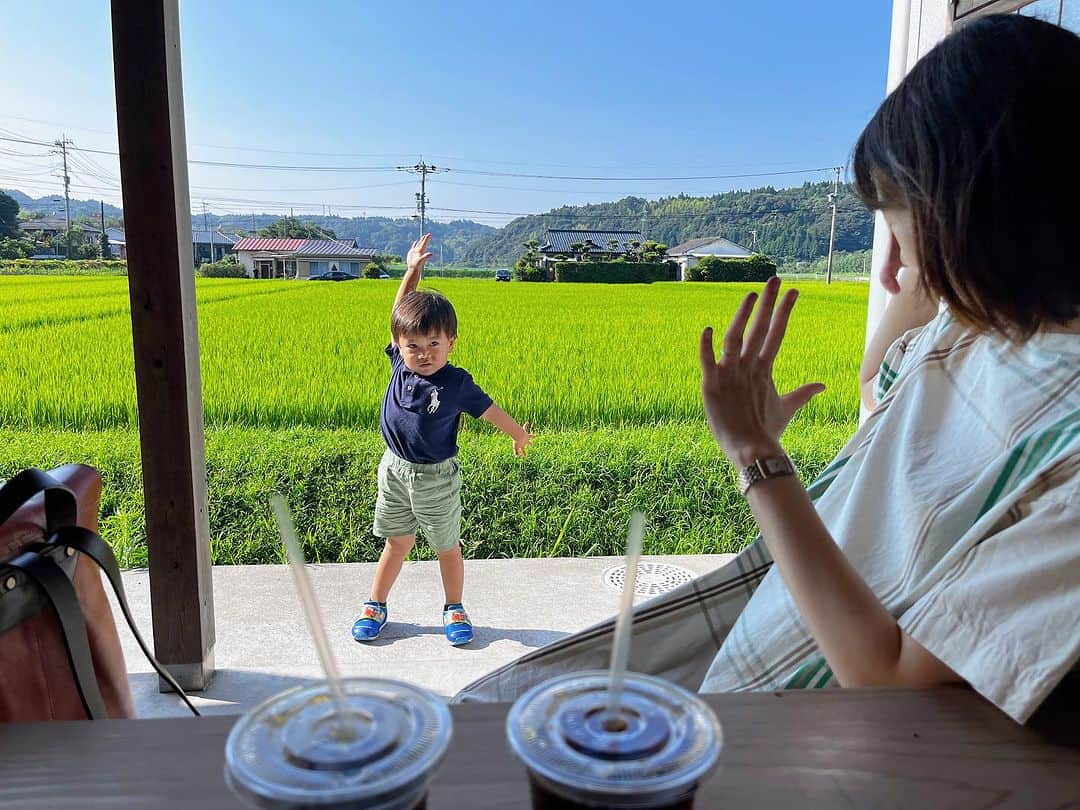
(161, 282)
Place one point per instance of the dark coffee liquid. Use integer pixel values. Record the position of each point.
(542, 799)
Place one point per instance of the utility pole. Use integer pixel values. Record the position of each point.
(63, 144)
(102, 217)
(254, 231)
(832, 229)
(753, 238)
(422, 169)
(195, 242)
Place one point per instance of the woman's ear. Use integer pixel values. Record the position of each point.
(891, 268)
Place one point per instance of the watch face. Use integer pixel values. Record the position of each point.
(775, 465)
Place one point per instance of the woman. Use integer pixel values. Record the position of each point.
(943, 543)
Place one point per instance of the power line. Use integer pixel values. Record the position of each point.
(478, 172)
(645, 179)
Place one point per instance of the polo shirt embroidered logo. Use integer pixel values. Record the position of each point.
(434, 404)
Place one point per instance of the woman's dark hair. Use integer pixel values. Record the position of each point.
(423, 312)
(981, 143)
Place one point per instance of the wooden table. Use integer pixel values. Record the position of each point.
(829, 748)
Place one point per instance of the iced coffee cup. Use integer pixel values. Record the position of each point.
(651, 752)
(297, 750)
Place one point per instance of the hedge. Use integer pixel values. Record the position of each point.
(523, 271)
(714, 268)
(228, 267)
(617, 272)
(63, 267)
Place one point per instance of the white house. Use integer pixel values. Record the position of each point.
(690, 253)
(300, 258)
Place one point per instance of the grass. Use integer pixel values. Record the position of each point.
(293, 375)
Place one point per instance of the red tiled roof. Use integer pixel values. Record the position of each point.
(333, 247)
(258, 243)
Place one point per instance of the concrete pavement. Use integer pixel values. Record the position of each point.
(263, 646)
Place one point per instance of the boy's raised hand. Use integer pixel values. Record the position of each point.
(418, 254)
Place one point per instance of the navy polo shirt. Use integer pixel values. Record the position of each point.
(421, 415)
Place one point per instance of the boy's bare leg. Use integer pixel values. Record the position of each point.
(394, 552)
(452, 566)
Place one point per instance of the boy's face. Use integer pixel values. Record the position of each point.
(425, 354)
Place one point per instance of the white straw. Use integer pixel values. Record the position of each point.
(620, 652)
(307, 601)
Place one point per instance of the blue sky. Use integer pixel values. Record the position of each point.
(627, 89)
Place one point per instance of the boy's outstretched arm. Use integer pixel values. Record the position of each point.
(414, 267)
(504, 422)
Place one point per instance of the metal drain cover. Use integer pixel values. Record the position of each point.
(653, 578)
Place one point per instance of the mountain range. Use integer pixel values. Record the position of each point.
(789, 224)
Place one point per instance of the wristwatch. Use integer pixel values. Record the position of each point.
(763, 468)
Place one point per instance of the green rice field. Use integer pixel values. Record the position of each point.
(293, 376)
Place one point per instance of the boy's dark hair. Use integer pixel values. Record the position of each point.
(979, 142)
(423, 312)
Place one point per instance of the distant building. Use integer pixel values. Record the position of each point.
(558, 244)
(210, 245)
(300, 258)
(117, 242)
(690, 253)
(49, 227)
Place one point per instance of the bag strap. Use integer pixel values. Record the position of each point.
(61, 506)
(52, 580)
(96, 549)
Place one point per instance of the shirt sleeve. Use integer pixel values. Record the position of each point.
(473, 400)
(1004, 616)
(893, 362)
(394, 354)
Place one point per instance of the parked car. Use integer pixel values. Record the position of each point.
(384, 275)
(336, 275)
(502, 274)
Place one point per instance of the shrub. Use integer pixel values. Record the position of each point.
(616, 272)
(16, 248)
(715, 268)
(63, 267)
(228, 267)
(372, 269)
(525, 270)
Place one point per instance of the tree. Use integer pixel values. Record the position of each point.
(576, 248)
(653, 251)
(373, 269)
(586, 250)
(72, 244)
(293, 228)
(9, 216)
(16, 248)
(528, 267)
(106, 248)
(634, 253)
(613, 247)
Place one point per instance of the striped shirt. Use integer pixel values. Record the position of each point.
(958, 502)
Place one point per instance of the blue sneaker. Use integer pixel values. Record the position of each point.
(456, 625)
(371, 622)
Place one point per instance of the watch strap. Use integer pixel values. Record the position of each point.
(763, 469)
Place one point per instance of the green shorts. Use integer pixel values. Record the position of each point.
(419, 496)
